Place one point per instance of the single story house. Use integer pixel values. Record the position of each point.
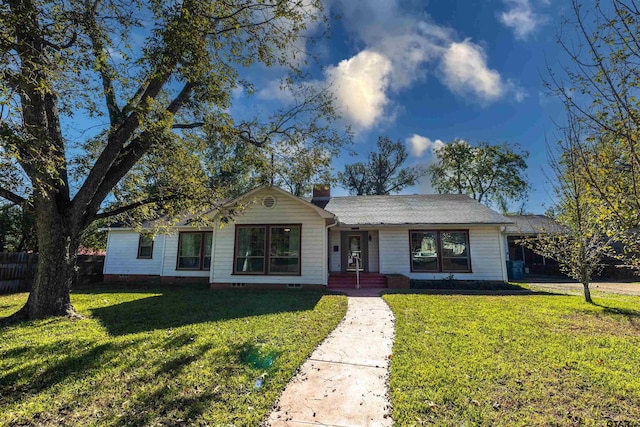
(278, 239)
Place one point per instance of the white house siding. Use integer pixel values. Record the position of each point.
(171, 256)
(484, 244)
(334, 257)
(286, 211)
(122, 253)
(373, 251)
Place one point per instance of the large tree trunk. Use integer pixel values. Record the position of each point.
(58, 243)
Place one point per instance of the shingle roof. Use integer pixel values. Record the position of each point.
(415, 209)
(533, 224)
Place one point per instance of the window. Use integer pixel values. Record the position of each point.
(145, 247)
(455, 251)
(282, 256)
(440, 251)
(194, 250)
(250, 251)
(424, 251)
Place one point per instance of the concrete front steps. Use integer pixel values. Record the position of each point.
(348, 280)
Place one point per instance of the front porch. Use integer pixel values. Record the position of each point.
(350, 280)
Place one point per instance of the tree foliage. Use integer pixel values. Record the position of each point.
(382, 173)
(581, 246)
(152, 84)
(294, 167)
(491, 174)
(17, 230)
(600, 88)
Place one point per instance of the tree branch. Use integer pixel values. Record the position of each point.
(188, 125)
(11, 196)
(127, 158)
(103, 68)
(126, 208)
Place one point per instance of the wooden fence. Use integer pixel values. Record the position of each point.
(17, 270)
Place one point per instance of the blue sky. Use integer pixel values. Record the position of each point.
(426, 73)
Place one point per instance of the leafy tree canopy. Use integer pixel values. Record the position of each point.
(578, 244)
(382, 173)
(600, 88)
(153, 83)
(491, 174)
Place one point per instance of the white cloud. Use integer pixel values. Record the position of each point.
(399, 49)
(465, 72)
(275, 90)
(521, 18)
(408, 41)
(237, 92)
(519, 94)
(360, 85)
(419, 144)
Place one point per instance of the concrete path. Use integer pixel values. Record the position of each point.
(344, 382)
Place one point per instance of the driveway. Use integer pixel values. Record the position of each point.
(623, 288)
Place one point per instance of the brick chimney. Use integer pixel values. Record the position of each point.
(321, 192)
(321, 195)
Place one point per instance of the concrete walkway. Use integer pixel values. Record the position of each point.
(344, 382)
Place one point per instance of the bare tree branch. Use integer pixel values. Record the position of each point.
(194, 125)
(103, 68)
(129, 207)
(11, 196)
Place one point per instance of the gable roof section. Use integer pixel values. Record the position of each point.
(437, 209)
(248, 195)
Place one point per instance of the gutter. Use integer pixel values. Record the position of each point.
(427, 224)
(326, 251)
(503, 253)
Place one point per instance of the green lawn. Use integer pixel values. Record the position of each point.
(515, 360)
(159, 356)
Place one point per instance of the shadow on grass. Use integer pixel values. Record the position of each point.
(161, 404)
(74, 366)
(631, 314)
(166, 406)
(174, 308)
(468, 288)
(34, 378)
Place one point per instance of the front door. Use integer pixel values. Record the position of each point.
(354, 251)
(354, 259)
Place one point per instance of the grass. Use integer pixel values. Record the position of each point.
(515, 360)
(159, 356)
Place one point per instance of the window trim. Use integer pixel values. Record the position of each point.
(201, 256)
(439, 245)
(140, 236)
(267, 257)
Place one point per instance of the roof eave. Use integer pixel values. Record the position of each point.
(424, 224)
